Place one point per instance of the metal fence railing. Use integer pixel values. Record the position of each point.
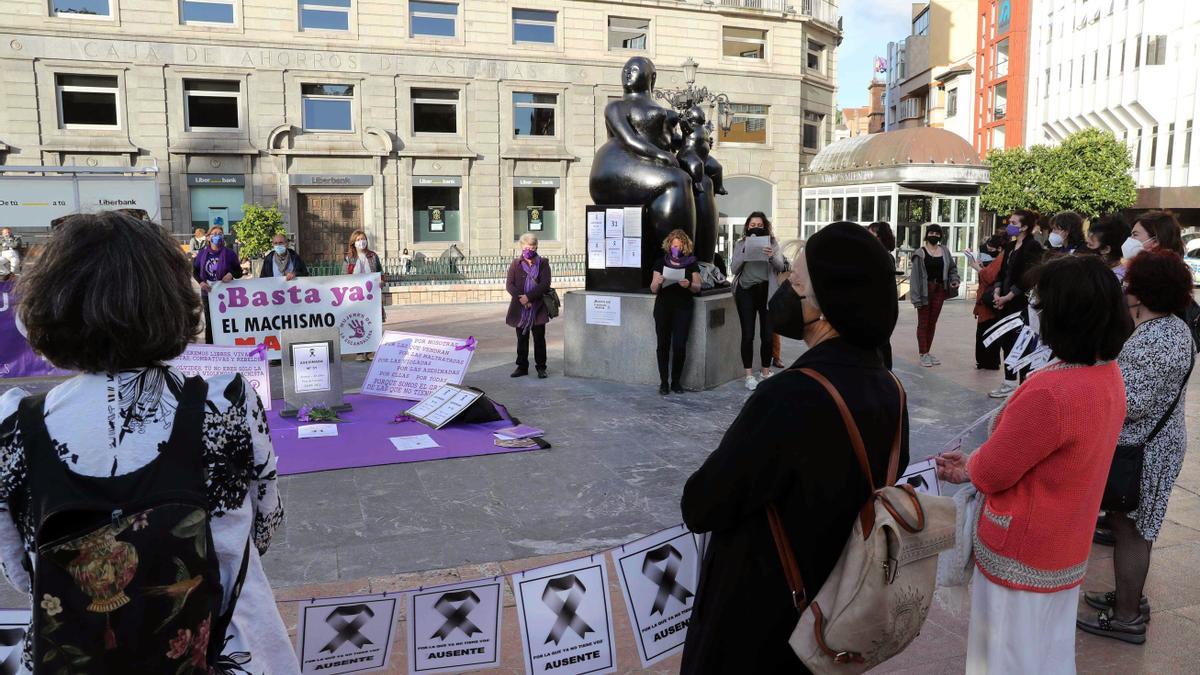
(471, 269)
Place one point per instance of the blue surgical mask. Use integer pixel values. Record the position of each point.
(280, 249)
(216, 239)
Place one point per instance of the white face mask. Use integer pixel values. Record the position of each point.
(1131, 248)
(1056, 240)
(361, 244)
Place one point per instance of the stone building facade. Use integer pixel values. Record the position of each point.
(426, 124)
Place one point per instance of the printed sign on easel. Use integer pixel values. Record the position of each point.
(566, 618)
(346, 635)
(455, 628)
(658, 577)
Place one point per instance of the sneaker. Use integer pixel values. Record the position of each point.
(1133, 632)
(1003, 392)
(934, 360)
(926, 361)
(1106, 601)
(751, 383)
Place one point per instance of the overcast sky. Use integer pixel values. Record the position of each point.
(868, 25)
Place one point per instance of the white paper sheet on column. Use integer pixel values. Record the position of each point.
(614, 252)
(346, 635)
(631, 252)
(614, 223)
(658, 579)
(595, 253)
(922, 476)
(603, 310)
(13, 624)
(566, 618)
(633, 221)
(455, 628)
(595, 225)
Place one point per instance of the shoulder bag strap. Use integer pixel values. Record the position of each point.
(787, 558)
(856, 441)
(1162, 422)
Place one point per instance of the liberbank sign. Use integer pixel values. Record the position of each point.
(37, 201)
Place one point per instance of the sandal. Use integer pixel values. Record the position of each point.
(1133, 632)
(1106, 601)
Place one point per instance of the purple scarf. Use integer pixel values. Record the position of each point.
(681, 263)
(529, 311)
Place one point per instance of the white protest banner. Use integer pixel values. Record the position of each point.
(922, 476)
(658, 579)
(253, 312)
(13, 624)
(412, 366)
(212, 360)
(346, 635)
(455, 628)
(566, 618)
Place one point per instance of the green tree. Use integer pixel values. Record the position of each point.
(1088, 172)
(256, 228)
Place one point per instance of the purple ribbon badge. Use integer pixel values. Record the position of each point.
(469, 345)
(260, 351)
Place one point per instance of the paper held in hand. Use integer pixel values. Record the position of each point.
(443, 405)
(754, 248)
(672, 275)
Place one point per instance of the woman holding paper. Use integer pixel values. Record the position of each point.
(360, 259)
(214, 263)
(676, 280)
(757, 260)
(528, 282)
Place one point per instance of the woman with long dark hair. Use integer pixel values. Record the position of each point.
(360, 259)
(753, 285)
(1105, 238)
(933, 277)
(1066, 233)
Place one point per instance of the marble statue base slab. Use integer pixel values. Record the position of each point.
(626, 353)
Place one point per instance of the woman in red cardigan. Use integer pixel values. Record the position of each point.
(1041, 475)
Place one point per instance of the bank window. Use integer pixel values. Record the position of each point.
(952, 102)
(87, 101)
(744, 43)
(435, 111)
(816, 57)
(535, 210)
(534, 25)
(867, 210)
(749, 124)
(432, 19)
(325, 15)
(533, 114)
(328, 107)
(436, 213)
(211, 105)
(812, 130)
(628, 34)
(206, 12)
(1156, 50)
(82, 9)
(212, 205)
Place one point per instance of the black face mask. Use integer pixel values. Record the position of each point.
(786, 309)
(756, 231)
(934, 240)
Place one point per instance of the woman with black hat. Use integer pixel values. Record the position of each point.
(789, 448)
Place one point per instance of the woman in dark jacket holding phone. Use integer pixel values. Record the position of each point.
(789, 448)
(528, 283)
(1021, 255)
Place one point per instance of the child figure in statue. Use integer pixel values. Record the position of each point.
(705, 172)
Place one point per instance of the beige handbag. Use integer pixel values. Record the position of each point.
(877, 596)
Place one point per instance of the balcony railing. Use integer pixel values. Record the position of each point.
(440, 271)
(821, 10)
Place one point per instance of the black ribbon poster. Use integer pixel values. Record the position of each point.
(346, 635)
(658, 579)
(455, 628)
(13, 623)
(566, 617)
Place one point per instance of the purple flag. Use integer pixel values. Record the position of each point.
(16, 357)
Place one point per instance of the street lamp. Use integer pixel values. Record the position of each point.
(691, 95)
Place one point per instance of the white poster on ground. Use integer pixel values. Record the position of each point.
(603, 310)
(658, 577)
(566, 618)
(212, 360)
(13, 624)
(252, 312)
(455, 628)
(346, 635)
(922, 476)
(412, 366)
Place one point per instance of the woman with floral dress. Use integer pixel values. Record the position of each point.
(117, 416)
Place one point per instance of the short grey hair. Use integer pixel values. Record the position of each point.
(528, 238)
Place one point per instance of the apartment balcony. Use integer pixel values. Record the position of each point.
(825, 11)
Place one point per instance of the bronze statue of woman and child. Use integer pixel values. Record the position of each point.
(659, 158)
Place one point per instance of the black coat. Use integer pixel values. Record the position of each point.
(787, 446)
(298, 266)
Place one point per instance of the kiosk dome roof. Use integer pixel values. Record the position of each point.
(902, 147)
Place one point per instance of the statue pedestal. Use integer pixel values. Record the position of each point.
(626, 353)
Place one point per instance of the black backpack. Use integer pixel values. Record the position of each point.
(126, 578)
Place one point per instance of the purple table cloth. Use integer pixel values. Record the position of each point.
(362, 438)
